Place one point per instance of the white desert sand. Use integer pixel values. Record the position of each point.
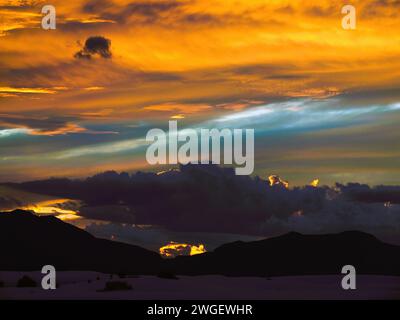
(90, 285)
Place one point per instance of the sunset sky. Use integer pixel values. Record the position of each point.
(324, 102)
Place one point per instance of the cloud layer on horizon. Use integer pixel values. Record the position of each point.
(213, 200)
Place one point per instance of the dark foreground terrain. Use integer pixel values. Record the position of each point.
(77, 285)
(28, 242)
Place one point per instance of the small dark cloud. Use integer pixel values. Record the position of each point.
(95, 46)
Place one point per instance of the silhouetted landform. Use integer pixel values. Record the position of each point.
(28, 242)
(295, 254)
(209, 198)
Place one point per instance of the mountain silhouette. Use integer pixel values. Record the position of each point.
(295, 254)
(29, 242)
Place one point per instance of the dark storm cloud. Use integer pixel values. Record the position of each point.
(96, 45)
(364, 193)
(120, 213)
(207, 198)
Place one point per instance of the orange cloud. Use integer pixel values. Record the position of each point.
(179, 108)
(26, 90)
(178, 116)
(68, 128)
(94, 88)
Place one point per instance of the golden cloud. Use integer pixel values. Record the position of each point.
(179, 108)
(26, 90)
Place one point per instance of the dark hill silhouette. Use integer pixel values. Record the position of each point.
(295, 254)
(27, 242)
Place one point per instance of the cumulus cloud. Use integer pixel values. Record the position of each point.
(208, 198)
(96, 45)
